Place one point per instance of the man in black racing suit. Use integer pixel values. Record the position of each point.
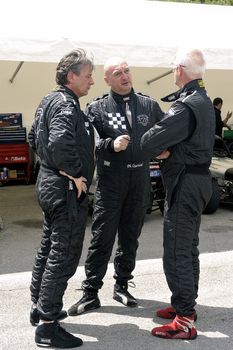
(186, 134)
(64, 140)
(123, 184)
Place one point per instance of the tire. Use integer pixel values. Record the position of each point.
(230, 146)
(221, 153)
(157, 196)
(160, 195)
(214, 201)
(150, 208)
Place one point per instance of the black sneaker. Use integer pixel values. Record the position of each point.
(122, 295)
(53, 335)
(35, 317)
(89, 301)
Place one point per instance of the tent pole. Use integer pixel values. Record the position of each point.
(16, 72)
(159, 77)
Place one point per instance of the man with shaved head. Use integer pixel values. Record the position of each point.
(120, 117)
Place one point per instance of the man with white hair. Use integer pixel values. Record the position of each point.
(120, 117)
(186, 135)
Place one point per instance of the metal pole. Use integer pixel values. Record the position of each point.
(159, 77)
(16, 71)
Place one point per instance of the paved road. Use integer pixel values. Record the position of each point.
(115, 327)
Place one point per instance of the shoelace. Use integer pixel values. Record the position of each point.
(132, 284)
(184, 323)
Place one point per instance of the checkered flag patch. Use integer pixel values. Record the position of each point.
(117, 121)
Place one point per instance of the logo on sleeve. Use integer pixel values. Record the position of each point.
(67, 110)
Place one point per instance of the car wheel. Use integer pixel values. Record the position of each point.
(160, 195)
(214, 201)
(230, 146)
(150, 207)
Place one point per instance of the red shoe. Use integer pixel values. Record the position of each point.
(182, 327)
(170, 313)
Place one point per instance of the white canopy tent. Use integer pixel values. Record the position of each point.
(147, 33)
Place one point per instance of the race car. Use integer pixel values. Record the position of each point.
(222, 176)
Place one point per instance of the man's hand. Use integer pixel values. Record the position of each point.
(80, 182)
(229, 114)
(163, 155)
(121, 143)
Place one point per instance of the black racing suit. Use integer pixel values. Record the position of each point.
(123, 184)
(64, 140)
(187, 131)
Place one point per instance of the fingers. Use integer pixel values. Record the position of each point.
(84, 187)
(65, 174)
(80, 182)
(124, 145)
(126, 137)
(121, 143)
(164, 155)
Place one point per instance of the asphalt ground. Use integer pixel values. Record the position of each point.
(114, 326)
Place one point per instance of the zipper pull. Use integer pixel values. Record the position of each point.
(71, 186)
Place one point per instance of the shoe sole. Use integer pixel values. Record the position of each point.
(174, 338)
(178, 335)
(41, 345)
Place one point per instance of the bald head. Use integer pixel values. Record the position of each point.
(113, 62)
(118, 76)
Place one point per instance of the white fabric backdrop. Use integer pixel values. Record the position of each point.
(146, 32)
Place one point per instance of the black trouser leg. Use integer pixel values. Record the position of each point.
(40, 260)
(105, 222)
(130, 226)
(67, 234)
(181, 228)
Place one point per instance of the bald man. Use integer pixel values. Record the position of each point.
(120, 117)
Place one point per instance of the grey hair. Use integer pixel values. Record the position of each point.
(73, 61)
(193, 62)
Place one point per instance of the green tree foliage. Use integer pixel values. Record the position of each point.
(210, 2)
